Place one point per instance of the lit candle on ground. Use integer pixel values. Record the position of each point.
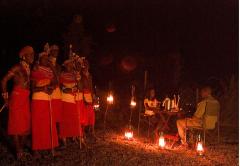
(200, 149)
(161, 141)
(129, 135)
(110, 99)
(133, 103)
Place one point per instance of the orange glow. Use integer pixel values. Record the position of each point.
(110, 99)
(128, 135)
(161, 142)
(133, 103)
(96, 106)
(200, 149)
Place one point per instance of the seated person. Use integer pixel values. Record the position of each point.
(207, 112)
(151, 103)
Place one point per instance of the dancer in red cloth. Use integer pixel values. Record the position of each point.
(88, 97)
(19, 112)
(44, 133)
(70, 124)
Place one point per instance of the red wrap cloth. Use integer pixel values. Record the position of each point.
(90, 115)
(88, 108)
(19, 112)
(42, 112)
(57, 109)
(42, 73)
(70, 121)
(69, 125)
(83, 112)
(67, 78)
(41, 126)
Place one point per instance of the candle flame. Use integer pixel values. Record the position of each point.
(128, 134)
(162, 142)
(96, 106)
(133, 103)
(110, 99)
(200, 148)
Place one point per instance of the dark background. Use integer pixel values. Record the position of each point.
(203, 32)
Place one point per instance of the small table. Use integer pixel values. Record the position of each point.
(166, 116)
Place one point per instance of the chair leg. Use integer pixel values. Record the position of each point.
(148, 126)
(204, 137)
(139, 119)
(218, 132)
(186, 130)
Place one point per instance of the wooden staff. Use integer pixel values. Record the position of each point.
(80, 126)
(104, 122)
(3, 107)
(51, 123)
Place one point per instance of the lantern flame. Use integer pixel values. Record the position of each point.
(133, 103)
(200, 149)
(162, 142)
(110, 99)
(129, 135)
(96, 106)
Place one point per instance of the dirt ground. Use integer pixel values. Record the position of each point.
(112, 149)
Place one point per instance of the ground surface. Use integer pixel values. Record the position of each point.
(113, 149)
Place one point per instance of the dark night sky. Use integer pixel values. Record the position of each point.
(205, 32)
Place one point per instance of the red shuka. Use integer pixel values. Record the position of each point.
(70, 122)
(57, 109)
(83, 112)
(44, 133)
(19, 112)
(41, 126)
(88, 109)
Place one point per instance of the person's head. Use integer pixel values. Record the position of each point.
(54, 51)
(206, 91)
(152, 93)
(68, 64)
(27, 54)
(43, 59)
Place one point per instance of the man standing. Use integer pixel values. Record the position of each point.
(19, 104)
(207, 112)
(44, 133)
(70, 124)
(88, 97)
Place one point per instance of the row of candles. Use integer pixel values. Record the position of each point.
(161, 140)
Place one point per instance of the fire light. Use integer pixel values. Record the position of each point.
(133, 103)
(96, 106)
(199, 146)
(200, 149)
(161, 141)
(110, 99)
(129, 135)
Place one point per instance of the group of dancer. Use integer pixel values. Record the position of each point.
(50, 102)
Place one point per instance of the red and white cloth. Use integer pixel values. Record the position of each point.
(19, 112)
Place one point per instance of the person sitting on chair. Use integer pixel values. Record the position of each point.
(151, 103)
(206, 113)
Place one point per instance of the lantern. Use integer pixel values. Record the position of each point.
(110, 98)
(129, 133)
(161, 141)
(199, 146)
(133, 103)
